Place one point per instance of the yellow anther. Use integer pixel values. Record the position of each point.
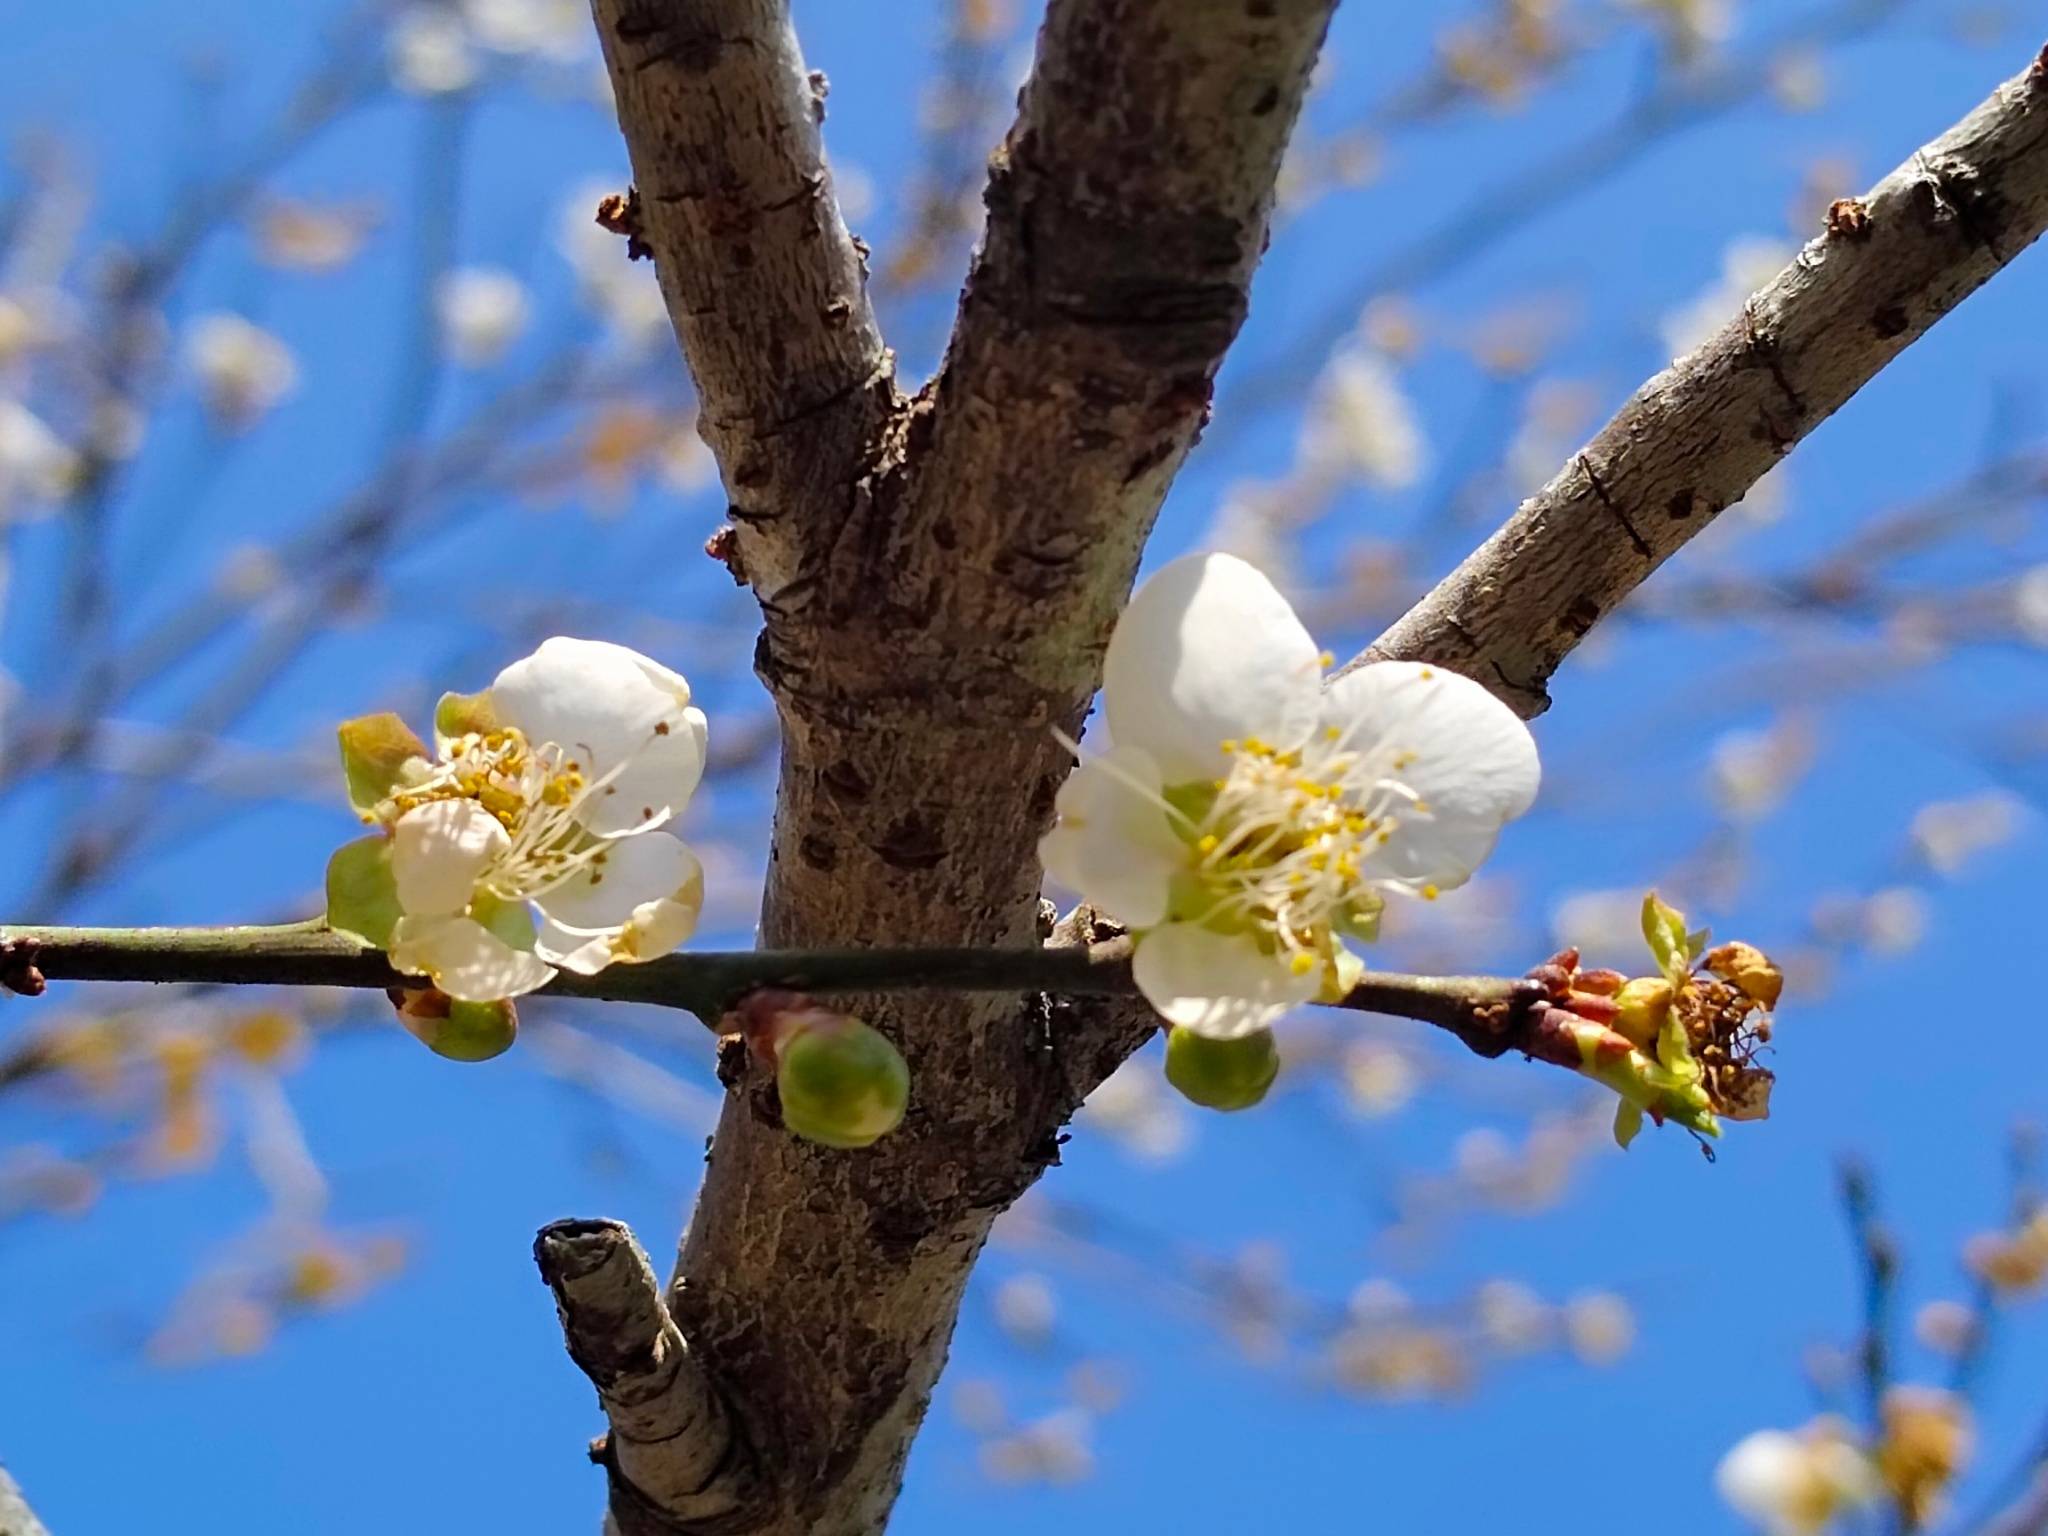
(1229, 748)
(1430, 893)
(1302, 963)
(1208, 844)
(1332, 733)
(1327, 659)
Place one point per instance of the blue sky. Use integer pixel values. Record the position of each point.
(444, 1400)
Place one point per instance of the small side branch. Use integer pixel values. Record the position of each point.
(1877, 1265)
(1489, 1013)
(1695, 438)
(673, 1453)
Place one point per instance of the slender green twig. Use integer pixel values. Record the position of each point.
(1486, 1012)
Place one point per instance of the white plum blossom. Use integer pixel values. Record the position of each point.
(1795, 1484)
(243, 369)
(557, 30)
(1248, 816)
(1361, 423)
(430, 52)
(1948, 834)
(539, 840)
(1750, 772)
(1690, 27)
(482, 311)
(36, 465)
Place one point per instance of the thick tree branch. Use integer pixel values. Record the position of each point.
(1696, 437)
(767, 290)
(938, 578)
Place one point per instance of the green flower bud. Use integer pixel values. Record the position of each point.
(457, 1030)
(1222, 1074)
(379, 754)
(842, 1083)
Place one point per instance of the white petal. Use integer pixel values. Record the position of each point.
(465, 959)
(641, 902)
(1762, 1477)
(660, 926)
(605, 705)
(438, 853)
(1208, 651)
(656, 783)
(1467, 755)
(1216, 984)
(1112, 842)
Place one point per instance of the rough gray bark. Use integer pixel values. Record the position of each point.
(767, 290)
(1697, 436)
(937, 577)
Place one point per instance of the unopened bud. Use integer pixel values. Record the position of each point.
(1222, 1074)
(1748, 970)
(455, 1029)
(1599, 982)
(842, 1083)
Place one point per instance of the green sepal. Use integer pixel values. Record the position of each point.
(457, 1030)
(461, 714)
(841, 1082)
(509, 921)
(1361, 919)
(379, 755)
(1222, 1074)
(476, 1031)
(1628, 1123)
(362, 893)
